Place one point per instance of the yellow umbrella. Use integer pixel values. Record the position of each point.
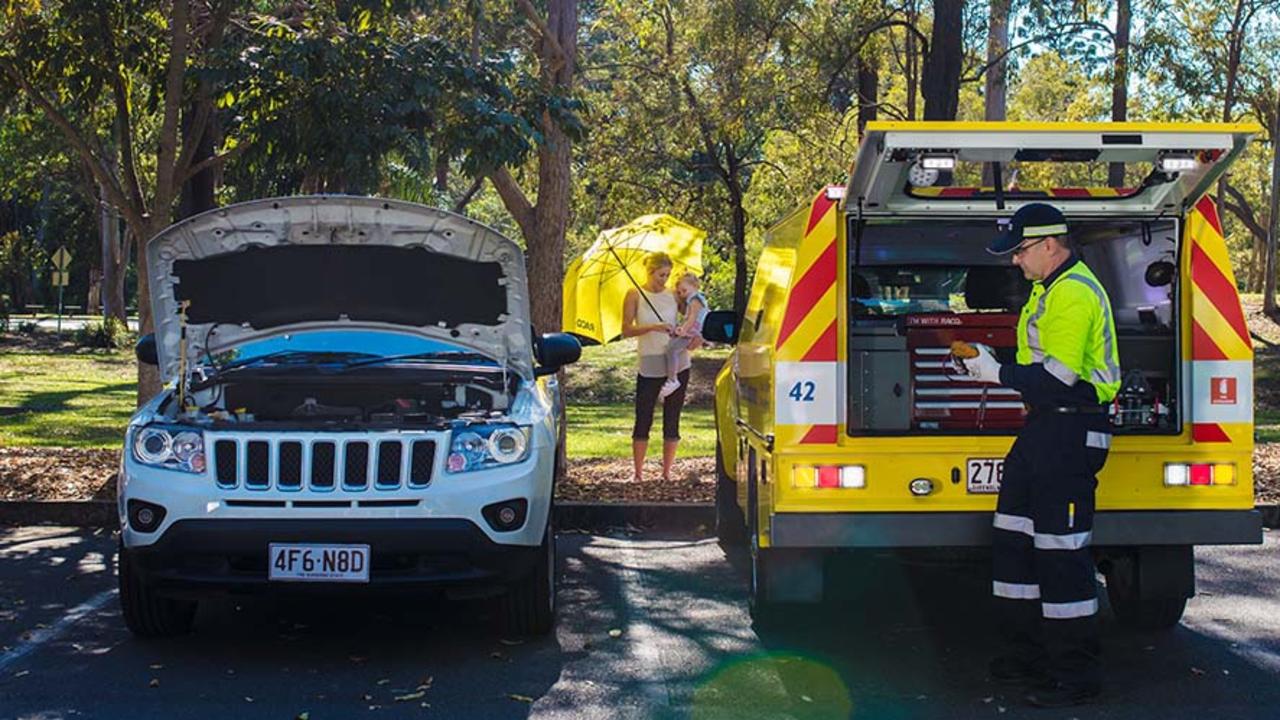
(596, 283)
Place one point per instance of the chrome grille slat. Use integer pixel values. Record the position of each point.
(322, 464)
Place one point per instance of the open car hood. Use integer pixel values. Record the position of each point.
(268, 267)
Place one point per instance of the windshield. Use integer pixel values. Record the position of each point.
(346, 345)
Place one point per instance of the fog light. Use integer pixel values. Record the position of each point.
(507, 515)
(144, 516)
(921, 487)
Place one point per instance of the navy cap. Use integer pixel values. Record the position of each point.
(1035, 220)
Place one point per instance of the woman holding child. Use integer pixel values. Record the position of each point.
(650, 314)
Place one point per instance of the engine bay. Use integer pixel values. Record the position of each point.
(280, 400)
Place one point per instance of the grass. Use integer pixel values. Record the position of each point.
(603, 431)
(84, 399)
(81, 399)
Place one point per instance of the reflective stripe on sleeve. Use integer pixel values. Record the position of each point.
(1015, 523)
(1058, 369)
(1073, 541)
(1015, 591)
(1111, 372)
(1099, 440)
(1070, 610)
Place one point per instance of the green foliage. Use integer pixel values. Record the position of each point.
(111, 333)
(357, 101)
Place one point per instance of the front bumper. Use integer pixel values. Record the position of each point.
(971, 529)
(201, 557)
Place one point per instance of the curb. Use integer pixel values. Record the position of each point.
(586, 516)
(687, 517)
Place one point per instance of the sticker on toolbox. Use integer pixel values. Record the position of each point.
(805, 393)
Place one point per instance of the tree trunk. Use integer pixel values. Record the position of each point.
(148, 375)
(868, 88)
(940, 80)
(114, 264)
(1120, 84)
(996, 91)
(1269, 282)
(1235, 48)
(910, 45)
(198, 192)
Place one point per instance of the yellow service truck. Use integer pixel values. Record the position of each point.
(841, 426)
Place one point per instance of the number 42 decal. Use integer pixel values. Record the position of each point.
(803, 391)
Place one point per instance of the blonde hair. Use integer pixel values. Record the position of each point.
(692, 279)
(656, 261)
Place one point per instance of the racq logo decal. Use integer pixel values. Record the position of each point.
(935, 320)
(585, 324)
(1222, 391)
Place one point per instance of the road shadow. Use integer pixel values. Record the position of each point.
(911, 637)
(270, 657)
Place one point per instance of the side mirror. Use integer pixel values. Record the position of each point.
(554, 351)
(721, 326)
(1160, 273)
(145, 350)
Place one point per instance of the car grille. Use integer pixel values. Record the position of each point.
(323, 464)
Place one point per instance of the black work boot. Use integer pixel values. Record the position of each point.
(1053, 694)
(1015, 670)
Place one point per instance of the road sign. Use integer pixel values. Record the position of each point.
(61, 259)
(61, 278)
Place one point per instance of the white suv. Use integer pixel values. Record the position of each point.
(354, 400)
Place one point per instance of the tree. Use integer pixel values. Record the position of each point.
(944, 61)
(543, 221)
(66, 56)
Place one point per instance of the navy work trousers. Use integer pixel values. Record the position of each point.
(1043, 570)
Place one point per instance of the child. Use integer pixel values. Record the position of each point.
(694, 304)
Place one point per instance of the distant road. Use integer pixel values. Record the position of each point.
(69, 322)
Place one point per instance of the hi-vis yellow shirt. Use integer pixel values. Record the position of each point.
(1069, 328)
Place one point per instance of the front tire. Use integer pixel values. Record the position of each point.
(529, 607)
(146, 613)
(731, 526)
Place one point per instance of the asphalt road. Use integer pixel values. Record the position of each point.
(899, 641)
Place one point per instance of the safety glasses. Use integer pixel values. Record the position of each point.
(1023, 248)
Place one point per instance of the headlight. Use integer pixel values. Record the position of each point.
(476, 447)
(171, 448)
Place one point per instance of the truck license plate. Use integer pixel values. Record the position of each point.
(985, 474)
(318, 563)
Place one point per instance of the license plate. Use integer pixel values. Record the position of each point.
(318, 563)
(985, 474)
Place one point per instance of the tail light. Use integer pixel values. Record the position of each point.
(830, 476)
(1183, 474)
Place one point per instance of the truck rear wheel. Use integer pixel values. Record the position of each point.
(731, 526)
(146, 613)
(1148, 588)
(529, 606)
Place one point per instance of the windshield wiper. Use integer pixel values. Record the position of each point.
(429, 357)
(294, 357)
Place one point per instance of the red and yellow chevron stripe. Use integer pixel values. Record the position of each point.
(809, 331)
(1221, 350)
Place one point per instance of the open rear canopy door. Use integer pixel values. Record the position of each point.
(915, 167)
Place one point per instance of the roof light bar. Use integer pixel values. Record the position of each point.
(1178, 163)
(938, 162)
